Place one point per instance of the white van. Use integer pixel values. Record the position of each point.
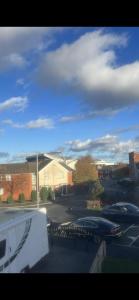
(23, 239)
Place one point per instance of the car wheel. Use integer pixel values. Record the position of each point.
(97, 239)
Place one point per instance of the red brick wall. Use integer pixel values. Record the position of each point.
(70, 182)
(20, 183)
(133, 158)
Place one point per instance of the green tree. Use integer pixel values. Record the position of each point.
(85, 170)
(51, 194)
(44, 194)
(97, 190)
(10, 199)
(121, 170)
(33, 196)
(21, 198)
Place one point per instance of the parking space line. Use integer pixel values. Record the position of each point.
(131, 226)
(133, 240)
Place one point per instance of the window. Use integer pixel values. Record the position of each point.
(2, 248)
(8, 177)
(1, 191)
(91, 224)
(87, 224)
(117, 208)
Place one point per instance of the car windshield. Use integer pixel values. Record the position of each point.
(132, 207)
(100, 222)
(104, 222)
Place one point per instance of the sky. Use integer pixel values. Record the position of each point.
(71, 89)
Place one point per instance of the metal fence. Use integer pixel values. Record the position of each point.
(76, 232)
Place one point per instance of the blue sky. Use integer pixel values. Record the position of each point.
(75, 89)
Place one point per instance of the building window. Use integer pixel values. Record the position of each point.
(2, 248)
(8, 177)
(1, 191)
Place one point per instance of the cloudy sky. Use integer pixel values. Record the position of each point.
(75, 89)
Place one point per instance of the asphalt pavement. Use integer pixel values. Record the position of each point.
(68, 256)
(59, 213)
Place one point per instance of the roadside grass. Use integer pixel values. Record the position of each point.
(116, 265)
(18, 204)
(96, 209)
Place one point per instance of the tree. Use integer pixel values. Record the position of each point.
(44, 193)
(97, 190)
(33, 196)
(85, 170)
(121, 171)
(21, 198)
(51, 193)
(10, 199)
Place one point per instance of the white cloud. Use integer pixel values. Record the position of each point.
(19, 103)
(16, 42)
(4, 154)
(21, 156)
(1, 131)
(20, 81)
(40, 123)
(45, 123)
(88, 115)
(12, 124)
(108, 146)
(127, 129)
(89, 67)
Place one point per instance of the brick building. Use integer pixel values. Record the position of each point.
(21, 177)
(15, 179)
(134, 165)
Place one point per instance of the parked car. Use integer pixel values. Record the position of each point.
(122, 212)
(49, 222)
(96, 227)
(126, 182)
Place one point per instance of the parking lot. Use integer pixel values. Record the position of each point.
(68, 256)
(130, 236)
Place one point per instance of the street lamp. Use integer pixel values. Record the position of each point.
(37, 182)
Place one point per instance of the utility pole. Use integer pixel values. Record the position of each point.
(53, 186)
(37, 182)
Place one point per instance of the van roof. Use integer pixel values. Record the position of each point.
(9, 214)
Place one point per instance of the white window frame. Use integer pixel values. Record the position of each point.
(1, 191)
(8, 177)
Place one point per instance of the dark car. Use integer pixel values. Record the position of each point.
(122, 212)
(95, 227)
(50, 222)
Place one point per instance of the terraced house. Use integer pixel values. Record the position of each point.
(16, 178)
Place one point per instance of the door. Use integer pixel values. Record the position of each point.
(4, 253)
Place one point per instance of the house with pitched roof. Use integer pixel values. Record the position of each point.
(19, 178)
